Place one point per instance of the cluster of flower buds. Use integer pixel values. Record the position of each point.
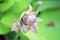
(28, 21)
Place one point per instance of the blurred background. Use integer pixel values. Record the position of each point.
(49, 29)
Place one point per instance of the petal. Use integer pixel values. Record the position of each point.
(35, 12)
(29, 10)
(25, 30)
(39, 20)
(15, 26)
(35, 25)
(34, 30)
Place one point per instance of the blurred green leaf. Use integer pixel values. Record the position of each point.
(11, 36)
(45, 4)
(15, 36)
(4, 28)
(6, 4)
(49, 5)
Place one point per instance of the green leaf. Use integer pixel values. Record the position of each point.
(15, 36)
(49, 5)
(4, 28)
(6, 4)
(44, 4)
